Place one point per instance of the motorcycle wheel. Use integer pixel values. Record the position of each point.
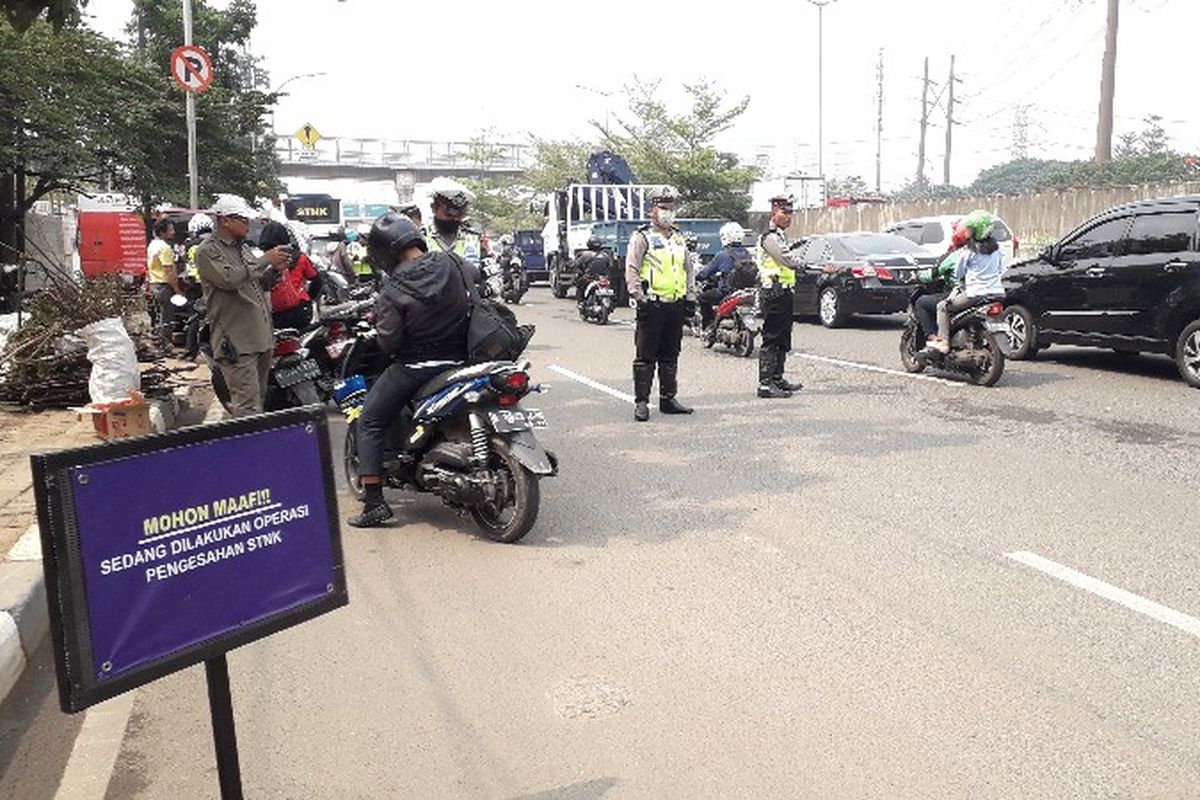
(908, 350)
(350, 461)
(745, 345)
(710, 337)
(602, 317)
(220, 388)
(988, 375)
(519, 498)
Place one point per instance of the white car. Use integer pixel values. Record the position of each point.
(932, 234)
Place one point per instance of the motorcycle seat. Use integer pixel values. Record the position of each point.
(457, 374)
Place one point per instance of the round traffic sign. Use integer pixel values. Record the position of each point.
(192, 68)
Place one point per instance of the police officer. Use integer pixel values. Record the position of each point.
(776, 272)
(660, 274)
(449, 233)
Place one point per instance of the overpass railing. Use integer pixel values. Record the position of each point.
(406, 154)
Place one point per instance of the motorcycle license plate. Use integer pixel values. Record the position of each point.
(521, 419)
(605, 292)
(305, 370)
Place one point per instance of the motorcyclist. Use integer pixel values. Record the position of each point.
(339, 254)
(451, 202)
(421, 317)
(593, 263)
(719, 271)
(364, 271)
(291, 304)
(200, 227)
(777, 276)
(925, 307)
(977, 275)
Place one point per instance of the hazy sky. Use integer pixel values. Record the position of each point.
(514, 68)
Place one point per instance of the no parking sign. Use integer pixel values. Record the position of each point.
(192, 68)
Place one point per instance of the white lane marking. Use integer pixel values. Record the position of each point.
(94, 756)
(872, 368)
(1157, 611)
(586, 381)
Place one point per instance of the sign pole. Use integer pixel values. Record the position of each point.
(220, 705)
(190, 99)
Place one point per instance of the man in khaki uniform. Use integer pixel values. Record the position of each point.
(236, 287)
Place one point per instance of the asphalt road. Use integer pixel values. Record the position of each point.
(814, 597)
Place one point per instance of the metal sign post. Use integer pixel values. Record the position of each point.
(190, 99)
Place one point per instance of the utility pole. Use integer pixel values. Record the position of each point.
(1108, 82)
(190, 99)
(924, 125)
(949, 124)
(820, 4)
(879, 127)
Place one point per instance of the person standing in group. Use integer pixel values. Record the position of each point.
(162, 277)
(291, 303)
(239, 314)
(661, 276)
(450, 201)
(338, 253)
(777, 274)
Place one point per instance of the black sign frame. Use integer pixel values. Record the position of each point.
(62, 561)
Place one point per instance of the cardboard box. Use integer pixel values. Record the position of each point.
(121, 420)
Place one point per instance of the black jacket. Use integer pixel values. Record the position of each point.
(423, 309)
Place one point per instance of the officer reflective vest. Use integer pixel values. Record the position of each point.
(769, 269)
(466, 245)
(358, 258)
(663, 269)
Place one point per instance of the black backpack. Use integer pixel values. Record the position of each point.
(745, 271)
(493, 333)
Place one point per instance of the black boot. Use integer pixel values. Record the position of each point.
(766, 375)
(375, 511)
(643, 377)
(778, 379)
(668, 385)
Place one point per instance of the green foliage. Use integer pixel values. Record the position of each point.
(1017, 176)
(664, 145)
(21, 14)
(924, 190)
(235, 149)
(850, 186)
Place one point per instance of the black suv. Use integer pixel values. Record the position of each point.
(1128, 279)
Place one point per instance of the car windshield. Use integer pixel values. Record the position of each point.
(528, 239)
(871, 244)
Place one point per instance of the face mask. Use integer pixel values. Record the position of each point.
(666, 217)
(446, 227)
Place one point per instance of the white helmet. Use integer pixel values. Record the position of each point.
(299, 232)
(451, 191)
(200, 223)
(731, 233)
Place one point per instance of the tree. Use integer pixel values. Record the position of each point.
(235, 149)
(1018, 176)
(21, 14)
(851, 186)
(75, 113)
(663, 145)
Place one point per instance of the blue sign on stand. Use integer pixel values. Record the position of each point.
(165, 551)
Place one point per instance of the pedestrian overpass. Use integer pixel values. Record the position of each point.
(405, 162)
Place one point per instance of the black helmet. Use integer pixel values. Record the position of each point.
(274, 234)
(594, 243)
(390, 236)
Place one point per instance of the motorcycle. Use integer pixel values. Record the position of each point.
(597, 302)
(515, 281)
(292, 381)
(329, 339)
(463, 438)
(737, 323)
(977, 342)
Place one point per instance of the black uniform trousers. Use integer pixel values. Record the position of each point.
(777, 319)
(657, 339)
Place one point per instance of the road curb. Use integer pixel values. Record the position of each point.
(24, 612)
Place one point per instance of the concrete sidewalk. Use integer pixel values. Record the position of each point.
(24, 616)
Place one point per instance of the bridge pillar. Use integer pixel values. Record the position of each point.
(406, 184)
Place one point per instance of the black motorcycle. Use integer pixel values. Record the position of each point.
(597, 301)
(977, 341)
(464, 438)
(292, 382)
(515, 283)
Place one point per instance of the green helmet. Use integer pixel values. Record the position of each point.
(980, 223)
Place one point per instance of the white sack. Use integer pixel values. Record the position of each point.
(114, 361)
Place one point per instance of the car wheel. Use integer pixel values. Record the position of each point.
(828, 308)
(1187, 354)
(1021, 331)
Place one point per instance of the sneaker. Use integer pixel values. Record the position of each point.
(937, 344)
(372, 516)
(772, 391)
(789, 386)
